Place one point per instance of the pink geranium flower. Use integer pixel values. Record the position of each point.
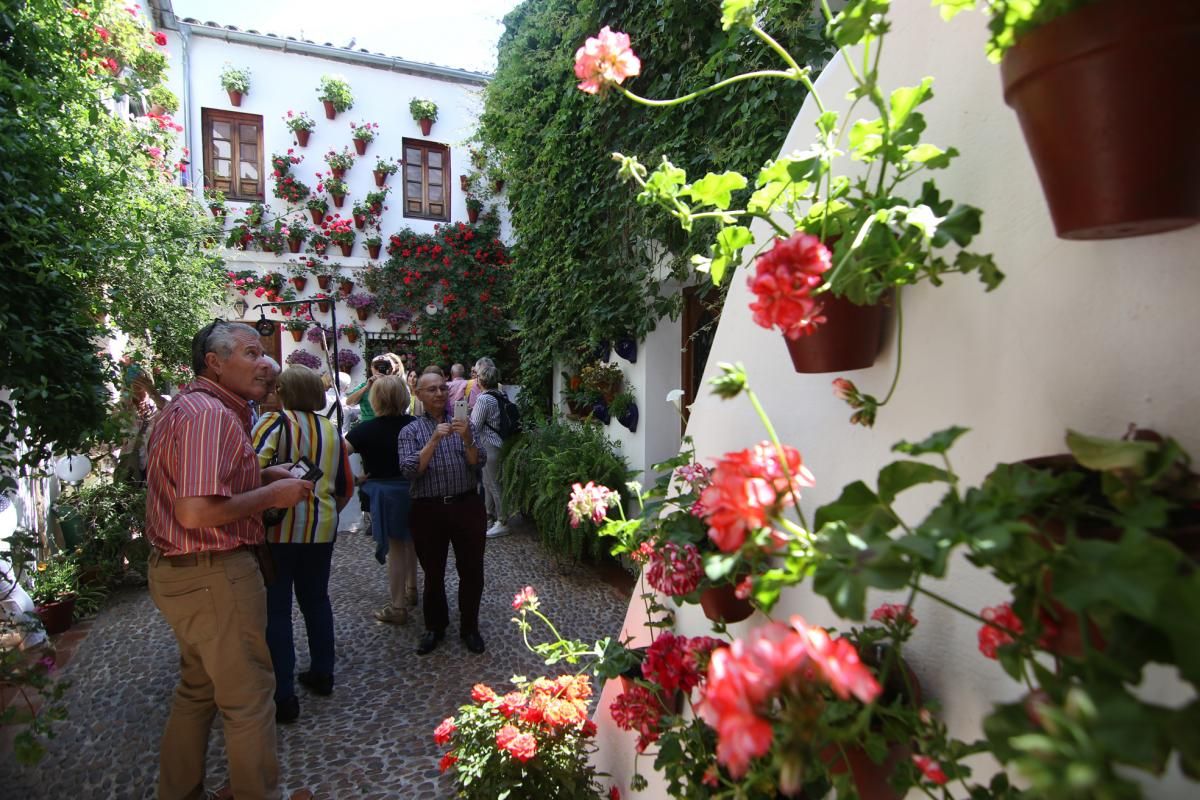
(747, 488)
(589, 502)
(783, 281)
(605, 58)
(675, 569)
(526, 598)
(1002, 623)
(443, 733)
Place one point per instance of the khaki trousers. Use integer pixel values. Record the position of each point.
(216, 604)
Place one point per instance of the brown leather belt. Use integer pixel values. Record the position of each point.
(447, 499)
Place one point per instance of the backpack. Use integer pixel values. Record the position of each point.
(510, 415)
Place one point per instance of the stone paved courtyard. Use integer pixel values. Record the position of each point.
(373, 738)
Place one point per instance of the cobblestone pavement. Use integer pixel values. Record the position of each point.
(373, 738)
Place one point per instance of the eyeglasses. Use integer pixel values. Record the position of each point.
(436, 389)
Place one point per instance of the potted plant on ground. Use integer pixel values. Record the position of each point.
(425, 112)
(383, 168)
(235, 81)
(1108, 68)
(362, 303)
(296, 327)
(334, 92)
(301, 125)
(850, 242)
(55, 586)
(363, 134)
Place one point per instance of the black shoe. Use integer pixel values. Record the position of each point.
(429, 641)
(287, 711)
(473, 641)
(317, 682)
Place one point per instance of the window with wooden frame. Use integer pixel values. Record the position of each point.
(233, 153)
(426, 180)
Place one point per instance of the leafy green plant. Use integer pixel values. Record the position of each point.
(423, 108)
(112, 515)
(55, 579)
(235, 79)
(540, 466)
(28, 680)
(162, 96)
(1010, 19)
(336, 90)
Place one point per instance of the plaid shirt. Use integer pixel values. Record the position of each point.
(448, 472)
(200, 447)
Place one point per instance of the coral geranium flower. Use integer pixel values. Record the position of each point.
(605, 58)
(748, 488)
(783, 281)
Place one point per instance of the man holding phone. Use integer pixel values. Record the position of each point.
(440, 456)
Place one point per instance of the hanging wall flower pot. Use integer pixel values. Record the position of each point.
(360, 221)
(499, 184)
(56, 617)
(351, 336)
(627, 349)
(323, 282)
(721, 604)
(473, 215)
(1106, 101)
(337, 200)
(629, 418)
(346, 250)
(296, 335)
(330, 111)
(323, 305)
(235, 98)
(338, 172)
(360, 146)
(302, 138)
(850, 338)
(346, 286)
(294, 247)
(317, 215)
(602, 351)
(426, 126)
(464, 183)
(298, 281)
(600, 412)
(380, 177)
(217, 212)
(373, 250)
(363, 313)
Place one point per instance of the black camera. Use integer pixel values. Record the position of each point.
(382, 366)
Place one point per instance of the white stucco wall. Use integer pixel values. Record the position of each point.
(282, 81)
(1086, 335)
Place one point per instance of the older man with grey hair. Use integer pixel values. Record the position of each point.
(486, 419)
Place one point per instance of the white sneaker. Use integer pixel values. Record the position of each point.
(497, 530)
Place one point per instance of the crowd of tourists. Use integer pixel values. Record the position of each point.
(248, 469)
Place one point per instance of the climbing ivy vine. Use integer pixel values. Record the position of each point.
(590, 262)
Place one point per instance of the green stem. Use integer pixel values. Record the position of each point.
(789, 75)
(899, 348)
(766, 421)
(956, 607)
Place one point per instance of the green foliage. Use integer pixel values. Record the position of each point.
(55, 578)
(235, 79)
(423, 108)
(26, 680)
(90, 225)
(113, 517)
(335, 89)
(162, 96)
(1010, 19)
(540, 466)
(588, 258)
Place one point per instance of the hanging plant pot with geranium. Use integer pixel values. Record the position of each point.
(383, 168)
(1106, 68)
(425, 112)
(859, 245)
(333, 186)
(373, 242)
(215, 200)
(350, 331)
(474, 206)
(339, 162)
(236, 82)
(318, 207)
(301, 125)
(341, 232)
(296, 327)
(363, 134)
(334, 92)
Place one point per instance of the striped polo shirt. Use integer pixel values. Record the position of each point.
(315, 520)
(200, 447)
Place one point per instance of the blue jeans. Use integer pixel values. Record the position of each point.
(304, 567)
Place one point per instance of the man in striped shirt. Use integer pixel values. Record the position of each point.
(204, 497)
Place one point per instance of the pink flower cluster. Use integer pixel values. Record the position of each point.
(526, 598)
(589, 502)
(605, 58)
(747, 489)
(784, 279)
(895, 615)
(776, 659)
(675, 569)
(1003, 623)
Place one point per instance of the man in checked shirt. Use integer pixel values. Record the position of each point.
(440, 457)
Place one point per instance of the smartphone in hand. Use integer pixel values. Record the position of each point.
(305, 470)
(460, 410)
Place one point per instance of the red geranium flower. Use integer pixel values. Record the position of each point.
(748, 488)
(783, 282)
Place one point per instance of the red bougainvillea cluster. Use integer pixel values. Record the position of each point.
(462, 270)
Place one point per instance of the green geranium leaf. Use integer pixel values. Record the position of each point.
(989, 273)
(856, 505)
(827, 122)
(858, 21)
(718, 566)
(960, 226)
(866, 137)
(939, 442)
(665, 182)
(716, 190)
(906, 98)
(800, 167)
(930, 155)
(728, 247)
(737, 13)
(901, 475)
(1102, 454)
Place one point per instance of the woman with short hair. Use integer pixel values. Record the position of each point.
(301, 543)
(386, 489)
(486, 419)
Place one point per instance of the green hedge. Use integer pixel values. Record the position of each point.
(539, 467)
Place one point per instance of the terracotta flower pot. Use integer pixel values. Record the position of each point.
(426, 126)
(373, 250)
(360, 147)
(850, 338)
(721, 604)
(377, 208)
(323, 282)
(316, 215)
(338, 172)
(360, 221)
(1105, 100)
(380, 177)
(323, 305)
(463, 183)
(351, 336)
(298, 281)
(296, 335)
(302, 138)
(337, 200)
(345, 286)
(217, 212)
(363, 313)
(330, 111)
(57, 617)
(346, 248)
(235, 98)
(499, 184)
(473, 215)
(294, 247)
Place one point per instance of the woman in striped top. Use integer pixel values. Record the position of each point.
(302, 544)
